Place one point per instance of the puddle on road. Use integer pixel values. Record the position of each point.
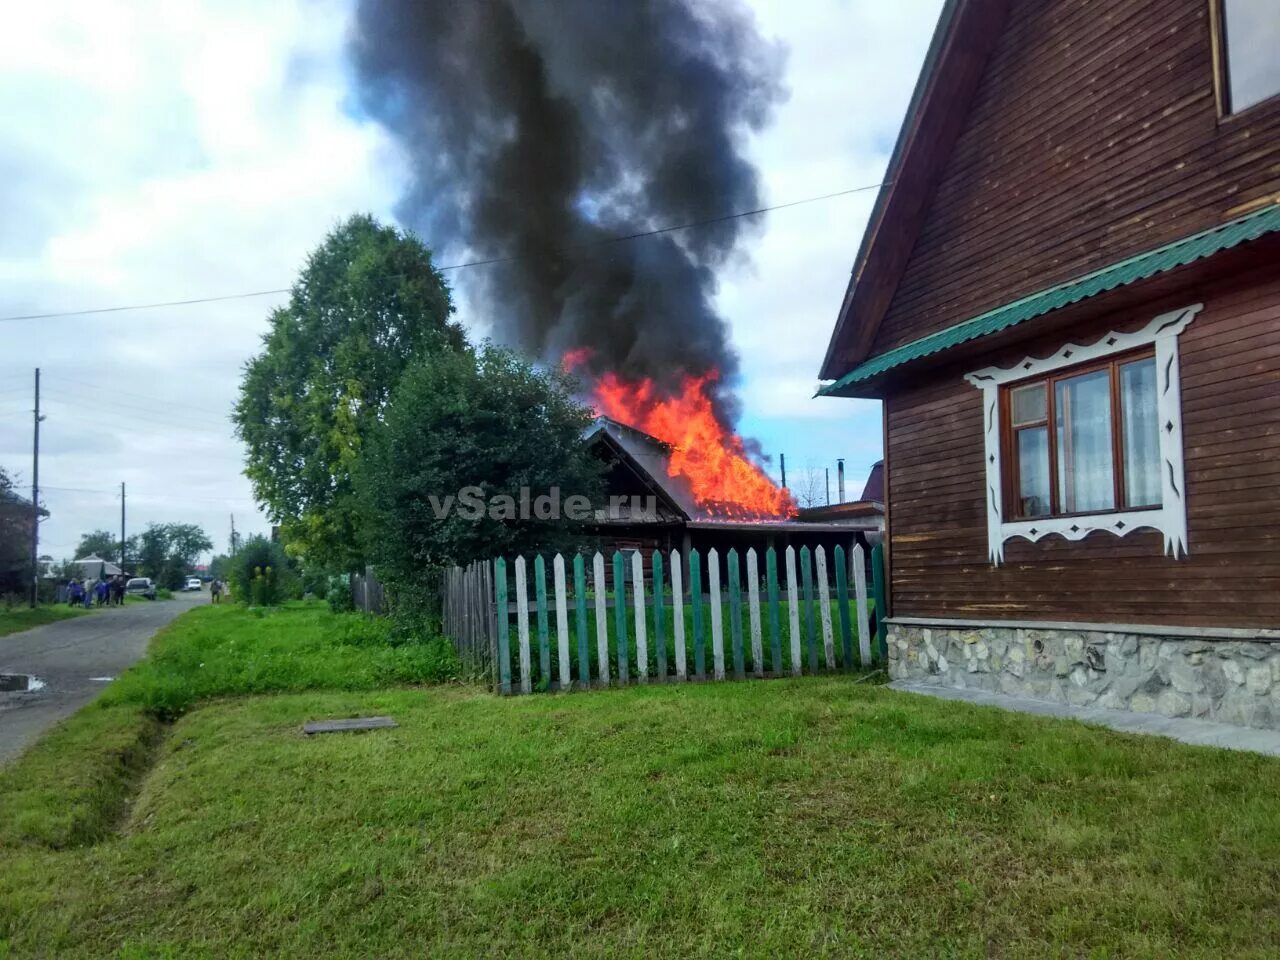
(19, 683)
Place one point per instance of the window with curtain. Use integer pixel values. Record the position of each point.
(1084, 440)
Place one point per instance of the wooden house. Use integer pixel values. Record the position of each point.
(1068, 302)
(653, 509)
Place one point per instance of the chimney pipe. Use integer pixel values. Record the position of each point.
(828, 470)
(782, 462)
(840, 479)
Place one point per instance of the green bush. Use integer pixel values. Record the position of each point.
(338, 595)
(262, 575)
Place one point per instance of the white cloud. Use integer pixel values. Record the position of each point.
(167, 150)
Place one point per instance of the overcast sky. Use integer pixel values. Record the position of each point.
(156, 151)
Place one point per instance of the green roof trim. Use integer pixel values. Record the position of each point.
(1135, 268)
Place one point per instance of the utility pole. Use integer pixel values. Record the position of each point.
(35, 501)
(233, 534)
(123, 541)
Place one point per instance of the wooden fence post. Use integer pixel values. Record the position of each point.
(775, 628)
(602, 619)
(522, 626)
(620, 617)
(735, 615)
(503, 618)
(882, 603)
(659, 616)
(717, 614)
(810, 626)
(861, 605)
(824, 609)
(793, 611)
(580, 605)
(842, 598)
(642, 633)
(695, 599)
(753, 609)
(677, 614)
(562, 622)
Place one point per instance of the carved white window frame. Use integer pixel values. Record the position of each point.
(1170, 518)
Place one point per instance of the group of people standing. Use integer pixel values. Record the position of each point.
(108, 592)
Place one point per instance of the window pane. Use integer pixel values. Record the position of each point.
(1033, 472)
(1141, 433)
(1086, 479)
(1253, 51)
(1029, 404)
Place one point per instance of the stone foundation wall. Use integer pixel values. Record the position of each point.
(1231, 681)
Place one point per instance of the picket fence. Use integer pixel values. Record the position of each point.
(501, 616)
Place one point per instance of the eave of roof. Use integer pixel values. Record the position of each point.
(1130, 270)
(953, 67)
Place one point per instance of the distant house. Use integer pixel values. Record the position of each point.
(92, 567)
(1068, 301)
(15, 542)
(658, 511)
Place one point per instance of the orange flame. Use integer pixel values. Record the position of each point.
(711, 458)
(575, 358)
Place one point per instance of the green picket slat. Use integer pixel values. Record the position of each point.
(735, 616)
(659, 616)
(842, 595)
(544, 626)
(620, 616)
(504, 625)
(580, 608)
(882, 604)
(810, 624)
(695, 601)
(775, 622)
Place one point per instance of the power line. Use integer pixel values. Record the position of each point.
(623, 238)
(113, 392)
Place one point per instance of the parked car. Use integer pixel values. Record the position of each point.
(141, 587)
(193, 583)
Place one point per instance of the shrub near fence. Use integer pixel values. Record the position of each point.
(803, 616)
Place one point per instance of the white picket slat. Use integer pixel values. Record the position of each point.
(793, 610)
(522, 622)
(562, 623)
(824, 598)
(642, 635)
(860, 595)
(677, 611)
(602, 618)
(717, 615)
(753, 608)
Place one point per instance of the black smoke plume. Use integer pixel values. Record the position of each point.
(540, 129)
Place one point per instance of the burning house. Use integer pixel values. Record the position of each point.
(655, 507)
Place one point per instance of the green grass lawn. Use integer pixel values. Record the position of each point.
(229, 649)
(819, 816)
(17, 619)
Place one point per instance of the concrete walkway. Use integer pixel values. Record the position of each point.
(1200, 732)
